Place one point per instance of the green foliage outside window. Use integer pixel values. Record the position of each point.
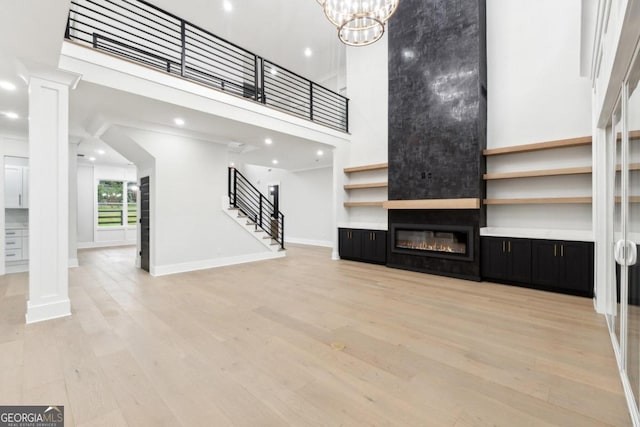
(111, 203)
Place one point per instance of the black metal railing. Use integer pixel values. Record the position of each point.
(257, 207)
(142, 32)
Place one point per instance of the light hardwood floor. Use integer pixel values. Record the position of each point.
(306, 341)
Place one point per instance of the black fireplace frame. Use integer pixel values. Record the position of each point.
(467, 229)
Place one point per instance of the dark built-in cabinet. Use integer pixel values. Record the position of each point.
(552, 265)
(363, 245)
(506, 259)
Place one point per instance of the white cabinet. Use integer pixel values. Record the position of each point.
(16, 244)
(16, 187)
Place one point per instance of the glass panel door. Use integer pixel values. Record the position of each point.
(616, 167)
(632, 229)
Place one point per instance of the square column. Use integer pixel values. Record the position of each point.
(49, 194)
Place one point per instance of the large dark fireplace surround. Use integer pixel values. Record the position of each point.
(437, 131)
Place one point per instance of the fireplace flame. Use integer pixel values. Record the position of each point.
(457, 248)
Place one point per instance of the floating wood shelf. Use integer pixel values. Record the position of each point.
(366, 168)
(549, 172)
(536, 173)
(433, 204)
(362, 204)
(632, 167)
(632, 199)
(527, 148)
(540, 201)
(366, 185)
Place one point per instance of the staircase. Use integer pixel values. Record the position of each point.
(253, 211)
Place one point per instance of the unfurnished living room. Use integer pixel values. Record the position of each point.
(320, 213)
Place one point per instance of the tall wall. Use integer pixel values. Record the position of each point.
(367, 88)
(305, 198)
(536, 94)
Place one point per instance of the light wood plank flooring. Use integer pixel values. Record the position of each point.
(306, 341)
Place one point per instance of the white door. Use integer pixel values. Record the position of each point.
(13, 187)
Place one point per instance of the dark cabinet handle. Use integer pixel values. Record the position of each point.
(503, 243)
(561, 250)
(555, 250)
(509, 246)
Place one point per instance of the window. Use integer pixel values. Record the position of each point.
(132, 203)
(114, 205)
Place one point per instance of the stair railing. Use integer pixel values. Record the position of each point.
(245, 197)
(139, 31)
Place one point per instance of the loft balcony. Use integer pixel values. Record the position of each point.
(141, 32)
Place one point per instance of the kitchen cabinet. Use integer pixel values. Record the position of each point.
(16, 244)
(16, 187)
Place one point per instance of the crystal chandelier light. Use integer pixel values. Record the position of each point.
(359, 22)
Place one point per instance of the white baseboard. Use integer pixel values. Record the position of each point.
(310, 242)
(185, 267)
(335, 256)
(48, 311)
(92, 245)
(73, 263)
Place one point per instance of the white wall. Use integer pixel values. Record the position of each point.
(88, 233)
(306, 198)
(533, 58)
(367, 79)
(189, 229)
(536, 94)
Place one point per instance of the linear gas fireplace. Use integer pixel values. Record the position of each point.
(448, 241)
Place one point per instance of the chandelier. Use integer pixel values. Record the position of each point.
(359, 22)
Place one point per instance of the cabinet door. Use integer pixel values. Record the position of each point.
(519, 251)
(545, 268)
(345, 244)
(577, 267)
(494, 258)
(357, 240)
(350, 243)
(380, 241)
(12, 187)
(374, 246)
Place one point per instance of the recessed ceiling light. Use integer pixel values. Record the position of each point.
(274, 161)
(92, 159)
(178, 121)
(308, 52)
(320, 153)
(11, 115)
(268, 141)
(7, 85)
(227, 6)
(101, 152)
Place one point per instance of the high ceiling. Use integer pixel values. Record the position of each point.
(279, 30)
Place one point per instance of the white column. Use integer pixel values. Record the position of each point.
(73, 204)
(49, 194)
